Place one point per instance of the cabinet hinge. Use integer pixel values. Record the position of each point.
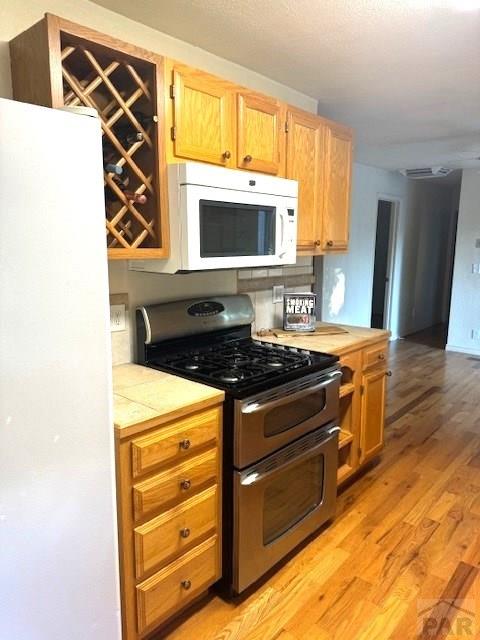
(173, 132)
(172, 91)
(362, 389)
(286, 126)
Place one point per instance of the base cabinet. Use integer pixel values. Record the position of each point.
(362, 407)
(372, 414)
(169, 486)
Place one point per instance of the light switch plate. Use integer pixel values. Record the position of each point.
(117, 317)
(476, 267)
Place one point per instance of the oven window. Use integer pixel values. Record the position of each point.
(291, 496)
(287, 416)
(228, 229)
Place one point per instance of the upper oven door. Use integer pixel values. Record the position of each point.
(229, 229)
(266, 422)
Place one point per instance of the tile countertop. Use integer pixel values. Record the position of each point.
(144, 397)
(338, 344)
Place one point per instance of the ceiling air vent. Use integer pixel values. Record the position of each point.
(426, 172)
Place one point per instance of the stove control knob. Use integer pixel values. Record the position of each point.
(185, 484)
(185, 532)
(185, 444)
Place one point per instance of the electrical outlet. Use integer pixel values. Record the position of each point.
(277, 293)
(476, 267)
(475, 334)
(117, 317)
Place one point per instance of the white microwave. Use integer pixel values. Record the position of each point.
(226, 219)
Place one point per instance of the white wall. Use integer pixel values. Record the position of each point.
(424, 217)
(465, 308)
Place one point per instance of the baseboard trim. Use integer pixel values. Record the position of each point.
(471, 352)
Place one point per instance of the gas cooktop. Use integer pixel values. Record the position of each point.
(244, 363)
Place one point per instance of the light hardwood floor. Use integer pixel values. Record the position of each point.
(407, 533)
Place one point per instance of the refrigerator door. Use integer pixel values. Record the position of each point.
(58, 535)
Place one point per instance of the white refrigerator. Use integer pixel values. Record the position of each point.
(58, 535)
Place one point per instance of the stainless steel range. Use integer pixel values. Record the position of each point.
(280, 425)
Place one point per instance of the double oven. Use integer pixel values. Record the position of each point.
(282, 481)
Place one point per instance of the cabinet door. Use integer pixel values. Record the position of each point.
(338, 167)
(373, 414)
(203, 117)
(305, 140)
(261, 133)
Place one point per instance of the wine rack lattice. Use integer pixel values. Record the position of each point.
(123, 94)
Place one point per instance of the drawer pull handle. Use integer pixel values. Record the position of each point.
(186, 584)
(186, 484)
(381, 356)
(388, 373)
(248, 158)
(185, 444)
(185, 532)
(226, 155)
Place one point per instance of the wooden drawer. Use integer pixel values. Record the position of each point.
(176, 484)
(375, 355)
(172, 443)
(176, 585)
(170, 534)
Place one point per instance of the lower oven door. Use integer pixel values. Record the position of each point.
(280, 501)
(273, 419)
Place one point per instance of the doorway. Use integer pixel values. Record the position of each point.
(383, 263)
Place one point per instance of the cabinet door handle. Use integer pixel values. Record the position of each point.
(185, 484)
(185, 444)
(226, 155)
(388, 373)
(185, 532)
(248, 158)
(381, 356)
(317, 243)
(329, 243)
(186, 584)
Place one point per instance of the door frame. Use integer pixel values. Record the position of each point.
(396, 203)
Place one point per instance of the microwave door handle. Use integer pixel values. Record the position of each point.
(253, 478)
(254, 407)
(283, 238)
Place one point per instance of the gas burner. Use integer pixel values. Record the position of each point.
(192, 366)
(231, 376)
(275, 364)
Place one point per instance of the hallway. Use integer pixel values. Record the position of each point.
(406, 535)
(434, 337)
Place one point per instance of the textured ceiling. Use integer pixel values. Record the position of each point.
(404, 73)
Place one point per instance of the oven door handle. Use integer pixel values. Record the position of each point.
(256, 477)
(254, 407)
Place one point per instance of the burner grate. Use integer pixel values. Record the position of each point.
(236, 362)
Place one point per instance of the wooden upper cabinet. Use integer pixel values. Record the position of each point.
(57, 63)
(338, 169)
(260, 133)
(305, 151)
(203, 117)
